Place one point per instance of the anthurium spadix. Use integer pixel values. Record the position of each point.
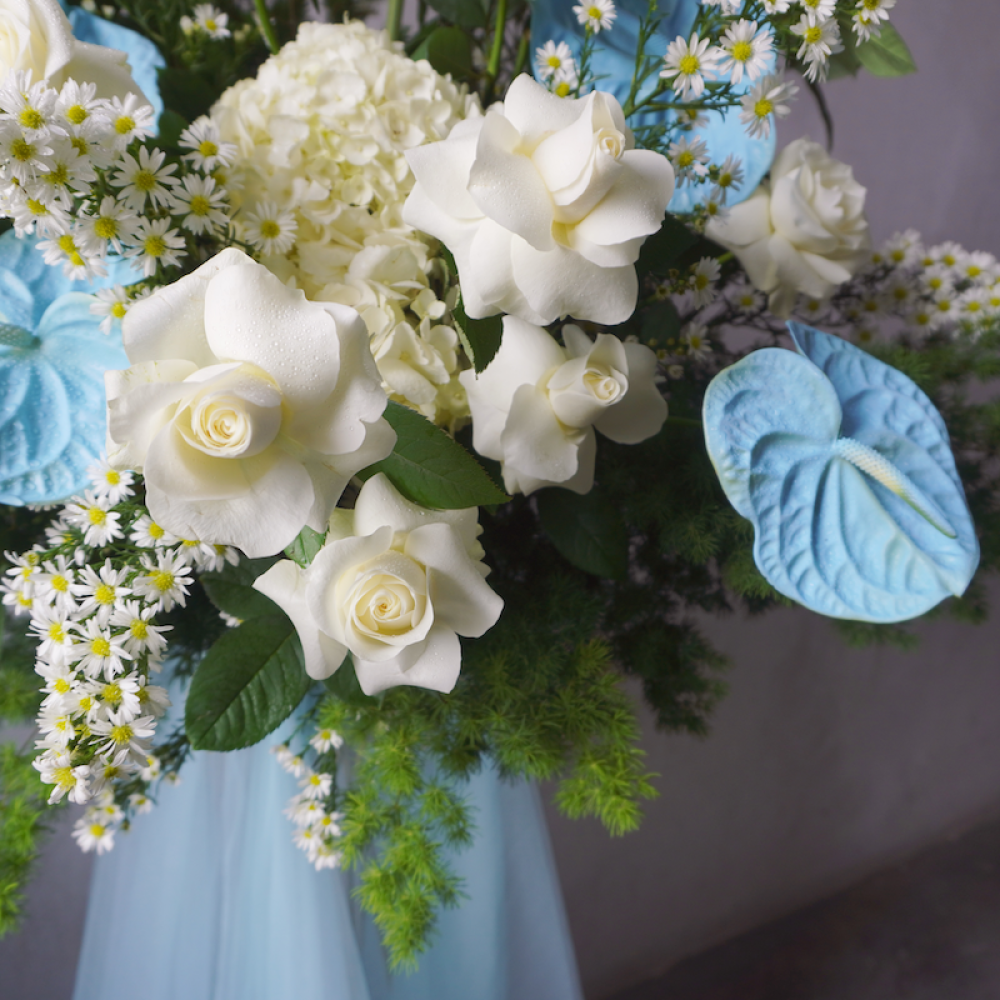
(844, 467)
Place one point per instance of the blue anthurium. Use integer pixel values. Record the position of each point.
(845, 469)
(614, 61)
(52, 362)
(144, 57)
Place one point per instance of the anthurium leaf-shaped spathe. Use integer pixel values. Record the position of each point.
(844, 467)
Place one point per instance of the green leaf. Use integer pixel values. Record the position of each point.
(188, 94)
(661, 322)
(448, 50)
(587, 530)
(887, 54)
(465, 13)
(480, 337)
(845, 62)
(431, 469)
(170, 127)
(250, 681)
(664, 247)
(307, 543)
(231, 590)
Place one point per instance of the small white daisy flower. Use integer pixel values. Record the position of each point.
(596, 15)
(766, 101)
(165, 582)
(746, 50)
(689, 158)
(201, 203)
(145, 178)
(551, 58)
(689, 64)
(111, 304)
(270, 229)
(206, 148)
(156, 245)
(95, 517)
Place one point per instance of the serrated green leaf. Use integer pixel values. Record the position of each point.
(886, 54)
(231, 589)
(480, 337)
(448, 50)
(249, 682)
(307, 543)
(431, 469)
(587, 530)
(465, 13)
(663, 248)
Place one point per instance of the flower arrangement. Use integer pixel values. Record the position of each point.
(408, 405)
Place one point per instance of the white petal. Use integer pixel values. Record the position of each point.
(747, 223)
(642, 410)
(251, 316)
(534, 442)
(434, 664)
(562, 283)
(535, 112)
(462, 599)
(106, 68)
(442, 171)
(285, 584)
(507, 187)
(170, 323)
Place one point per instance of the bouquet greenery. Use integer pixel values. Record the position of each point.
(431, 421)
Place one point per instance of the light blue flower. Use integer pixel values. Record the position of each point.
(845, 469)
(613, 63)
(52, 362)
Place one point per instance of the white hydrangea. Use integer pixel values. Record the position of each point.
(321, 134)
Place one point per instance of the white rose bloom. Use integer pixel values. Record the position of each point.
(247, 408)
(544, 203)
(805, 232)
(395, 585)
(536, 405)
(36, 35)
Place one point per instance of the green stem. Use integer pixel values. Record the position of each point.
(394, 19)
(522, 52)
(266, 28)
(493, 66)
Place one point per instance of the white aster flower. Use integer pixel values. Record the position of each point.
(18, 596)
(125, 739)
(746, 50)
(52, 631)
(729, 178)
(156, 245)
(141, 804)
(99, 592)
(551, 58)
(270, 229)
(596, 15)
(92, 834)
(144, 179)
(118, 697)
(25, 159)
(165, 582)
(704, 275)
(110, 484)
(69, 779)
(324, 855)
(290, 762)
(39, 210)
(78, 103)
(695, 339)
(776, 6)
(131, 118)
(32, 107)
(211, 20)
(326, 739)
(726, 7)
(818, 10)
(689, 64)
(153, 699)
(94, 516)
(767, 100)
(98, 651)
(111, 304)
(147, 534)
(54, 584)
(70, 250)
(689, 158)
(150, 768)
(141, 635)
(201, 203)
(112, 224)
(820, 40)
(69, 173)
(903, 248)
(206, 148)
(316, 785)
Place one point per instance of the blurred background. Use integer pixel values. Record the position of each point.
(866, 779)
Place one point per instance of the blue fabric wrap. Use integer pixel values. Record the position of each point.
(614, 61)
(206, 898)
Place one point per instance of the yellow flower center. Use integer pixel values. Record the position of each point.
(155, 531)
(124, 125)
(154, 245)
(144, 180)
(97, 516)
(270, 229)
(562, 89)
(139, 629)
(57, 633)
(100, 646)
(121, 734)
(813, 34)
(200, 205)
(118, 310)
(207, 148)
(61, 686)
(163, 580)
(689, 65)
(31, 118)
(77, 114)
(112, 694)
(106, 228)
(742, 51)
(763, 107)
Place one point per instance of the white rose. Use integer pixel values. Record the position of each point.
(36, 35)
(394, 584)
(536, 405)
(247, 407)
(804, 233)
(544, 203)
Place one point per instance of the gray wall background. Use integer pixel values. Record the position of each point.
(824, 763)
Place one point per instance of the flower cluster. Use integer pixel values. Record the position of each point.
(93, 594)
(312, 810)
(320, 182)
(75, 169)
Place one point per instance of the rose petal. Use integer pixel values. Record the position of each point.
(507, 187)
(171, 323)
(462, 600)
(285, 584)
(442, 170)
(534, 442)
(641, 412)
(536, 113)
(434, 664)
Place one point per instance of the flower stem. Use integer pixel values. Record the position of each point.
(493, 65)
(266, 28)
(394, 19)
